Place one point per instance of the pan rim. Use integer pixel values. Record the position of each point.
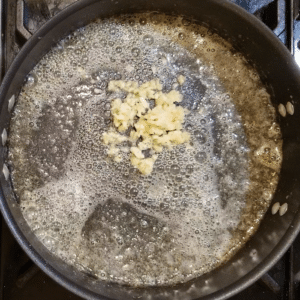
(230, 290)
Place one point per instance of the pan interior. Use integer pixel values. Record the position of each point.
(202, 201)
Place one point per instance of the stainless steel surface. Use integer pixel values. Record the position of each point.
(1, 41)
(54, 6)
(20, 21)
(40, 11)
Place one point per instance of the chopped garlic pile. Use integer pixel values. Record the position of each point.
(151, 129)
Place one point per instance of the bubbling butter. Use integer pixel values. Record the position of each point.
(203, 199)
(150, 129)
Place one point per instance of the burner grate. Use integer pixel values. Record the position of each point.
(20, 279)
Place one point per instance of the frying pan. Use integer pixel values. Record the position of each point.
(280, 75)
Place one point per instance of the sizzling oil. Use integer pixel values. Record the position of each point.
(201, 202)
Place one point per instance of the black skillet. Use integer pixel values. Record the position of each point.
(279, 73)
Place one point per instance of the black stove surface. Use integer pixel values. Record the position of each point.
(20, 278)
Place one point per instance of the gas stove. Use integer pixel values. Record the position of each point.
(20, 278)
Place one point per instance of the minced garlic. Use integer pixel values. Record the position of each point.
(152, 129)
(181, 79)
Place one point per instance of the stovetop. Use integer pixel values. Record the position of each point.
(20, 279)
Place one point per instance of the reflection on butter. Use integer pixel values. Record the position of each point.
(269, 154)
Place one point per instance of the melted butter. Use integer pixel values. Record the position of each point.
(203, 199)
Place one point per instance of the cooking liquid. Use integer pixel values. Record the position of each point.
(202, 201)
